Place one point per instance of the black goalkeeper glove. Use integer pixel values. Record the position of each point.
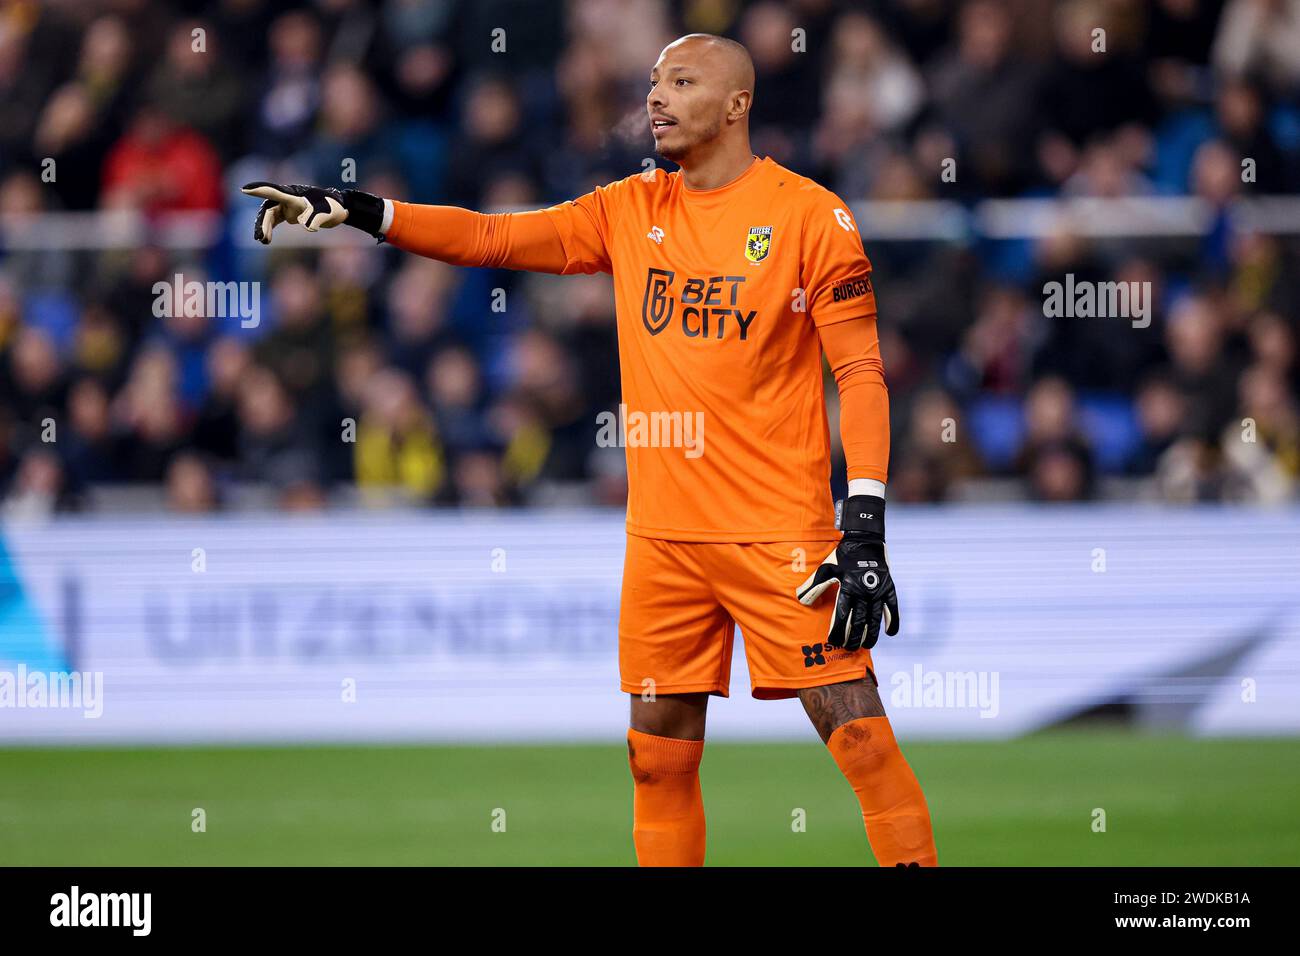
(314, 208)
(859, 565)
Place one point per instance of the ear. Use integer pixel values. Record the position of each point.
(740, 103)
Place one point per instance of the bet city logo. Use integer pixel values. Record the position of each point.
(708, 306)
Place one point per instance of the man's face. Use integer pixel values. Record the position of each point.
(687, 101)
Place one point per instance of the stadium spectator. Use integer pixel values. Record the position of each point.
(455, 390)
(216, 427)
(1161, 414)
(291, 93)
(273, 447)
(397, 447)
(1056, 458)
(89, 442)
(39, 489)
(154, 427)
(1265, 443)
(417, 302)
(300, 345)
(196, 88)
(1202, 372)
(460, 400)
(160, 166)
(984, 94)
(1196, 470)
(1261, 37)
(191, 488)
(935, 455)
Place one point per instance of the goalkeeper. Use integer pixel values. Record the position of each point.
(732, 277)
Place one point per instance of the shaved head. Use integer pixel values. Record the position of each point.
(729, 56)
(701, 90)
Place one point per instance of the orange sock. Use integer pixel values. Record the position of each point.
(667, 808)
(893, 806)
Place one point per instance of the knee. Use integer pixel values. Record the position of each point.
(652, 757)
(676, 716)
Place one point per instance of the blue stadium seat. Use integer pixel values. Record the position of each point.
(54, 313)
(1111, 424)
(998, 427)
(1108, 421)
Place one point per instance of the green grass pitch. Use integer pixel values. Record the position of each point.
(1167, 800)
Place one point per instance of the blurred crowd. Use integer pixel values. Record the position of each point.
(376, 376)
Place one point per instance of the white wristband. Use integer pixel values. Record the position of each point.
(388, 218)
(866, 486)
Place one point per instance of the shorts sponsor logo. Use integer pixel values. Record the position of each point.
(812, 655)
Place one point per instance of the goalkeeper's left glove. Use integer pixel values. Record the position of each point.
(313, 208)
(861, 569)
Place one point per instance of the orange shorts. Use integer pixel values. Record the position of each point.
(682, 601)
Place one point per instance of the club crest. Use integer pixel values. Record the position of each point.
(758, 243)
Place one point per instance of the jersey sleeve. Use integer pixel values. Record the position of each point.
(834, 269)
(586, 226)
(853, 351)
(518, 240)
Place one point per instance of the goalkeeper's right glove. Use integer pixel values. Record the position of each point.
(313, 208)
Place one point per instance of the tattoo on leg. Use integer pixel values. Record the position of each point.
(832, 705)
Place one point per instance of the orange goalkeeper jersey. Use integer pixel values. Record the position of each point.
(725, 299)
(718, 295)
